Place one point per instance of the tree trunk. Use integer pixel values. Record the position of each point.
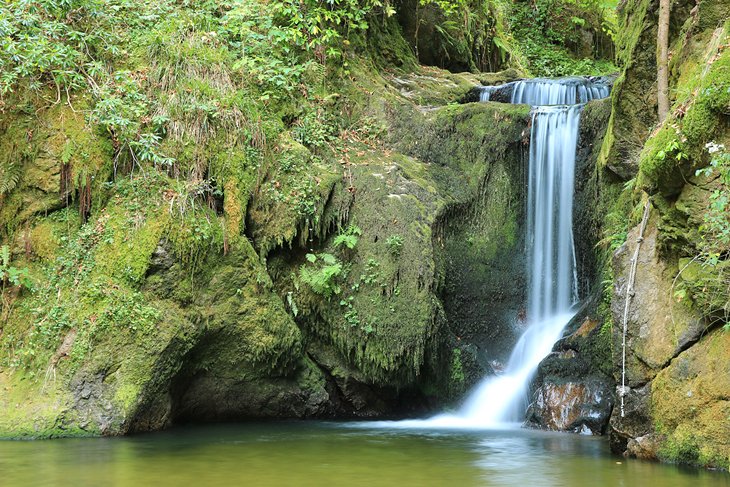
(663, 60)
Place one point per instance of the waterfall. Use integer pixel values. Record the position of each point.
(486, 92)
(551, 260)
(544, 92)
(565, 91)
(552, 276)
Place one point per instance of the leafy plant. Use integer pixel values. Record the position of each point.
(372, 272)
(9, 175)
(352, 318)
(711, 283)
(62, 43)
(348, 238)
(672, 149)
(125, 113)
(10, 276)
(322, 274)
(283, 40)
(717, 224)
(394, 244)
(314, 130)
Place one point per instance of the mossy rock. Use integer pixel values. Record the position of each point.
(689, 404)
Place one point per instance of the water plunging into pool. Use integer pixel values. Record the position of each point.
(551, 270)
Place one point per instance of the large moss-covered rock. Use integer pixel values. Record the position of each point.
(164, 312)
(573, 389)
(690, 405)
(387, 316)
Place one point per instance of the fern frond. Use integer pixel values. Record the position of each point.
(9, 176)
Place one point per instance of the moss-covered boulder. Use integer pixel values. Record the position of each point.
(386, 313)
(166, 308)
(690, 407)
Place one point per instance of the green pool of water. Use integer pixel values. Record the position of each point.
(324, 454)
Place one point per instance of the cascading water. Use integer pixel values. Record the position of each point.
(565, 91)
(551, 264)
(552, 278)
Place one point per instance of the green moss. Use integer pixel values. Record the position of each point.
(44, 241)
(662, 161)
(456, 384)
(632, 18)
(387, 320)
(194, 234)
(633, 92)
(40, 406)
(682, 447)
(689, 405)
(248, 321)
(130, 239)
(711, 101)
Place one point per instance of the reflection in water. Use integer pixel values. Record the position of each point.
(315, 454)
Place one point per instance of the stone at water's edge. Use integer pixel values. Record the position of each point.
(573, 389)
(574, 406)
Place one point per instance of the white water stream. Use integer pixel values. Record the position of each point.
(501, 400)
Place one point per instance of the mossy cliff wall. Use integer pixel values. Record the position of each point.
(676, 406)
(153, 304)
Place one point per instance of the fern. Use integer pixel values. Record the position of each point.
(322, 280)
(348, 238)
(4, 257)
(9, 176)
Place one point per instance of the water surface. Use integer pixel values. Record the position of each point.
(323, 454)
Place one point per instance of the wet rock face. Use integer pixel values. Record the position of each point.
(573, 389)
(677, 370)
(92, 406)
(581, 407)
(636, 421)
(658, 327)
(590, 189)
